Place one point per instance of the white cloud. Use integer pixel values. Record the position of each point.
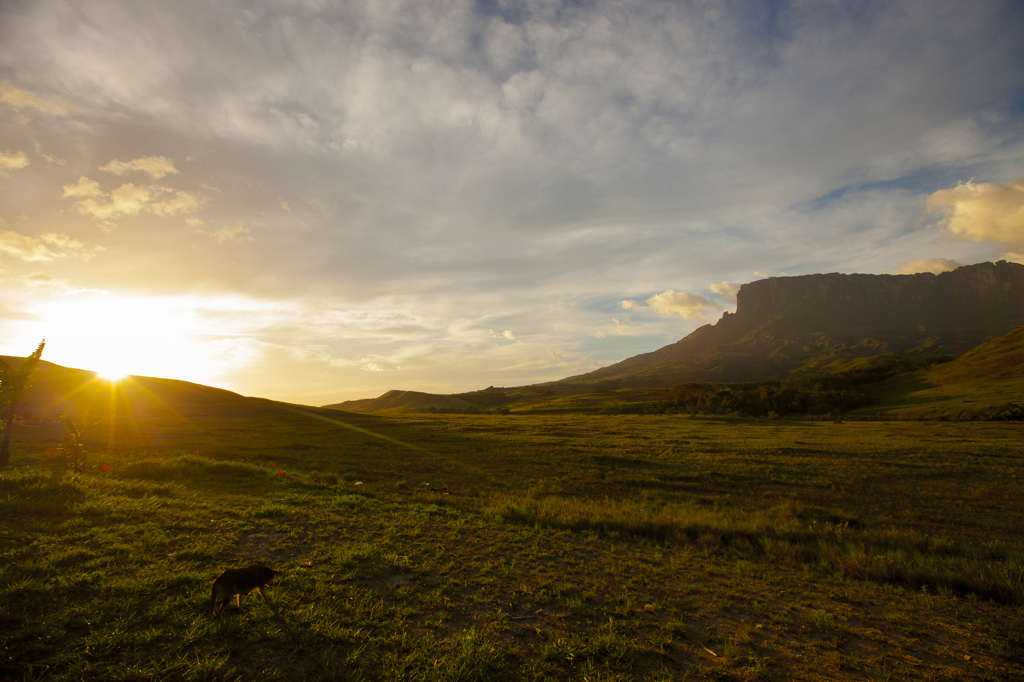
(985, 211)
(155, 166)
(555, 355)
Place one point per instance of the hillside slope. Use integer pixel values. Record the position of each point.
(81, 394)
(983, 382)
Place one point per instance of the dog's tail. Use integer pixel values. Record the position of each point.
(213, 601)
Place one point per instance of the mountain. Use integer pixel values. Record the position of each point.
(785, 326)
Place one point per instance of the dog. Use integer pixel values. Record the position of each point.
(235, 582)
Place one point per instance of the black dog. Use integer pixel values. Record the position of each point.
(235, 582)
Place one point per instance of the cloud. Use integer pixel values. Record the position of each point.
(234, 233)
(372, 367)
(129, 200)
(555, 355)
(18, 99)
(50, 158)
(83, 188)
(42, 278)
(988, 211)
(155, 166)
(726, 290)
(669, 303)
(503, 335)
(45, 247)
(13, 161)
(932, 265)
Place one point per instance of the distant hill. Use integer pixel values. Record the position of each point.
(415, 401)
(405, 401)
(786, 326)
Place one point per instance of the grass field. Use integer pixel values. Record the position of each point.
(517, 547)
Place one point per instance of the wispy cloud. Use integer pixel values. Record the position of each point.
(45, 247)
(18, 99)
(932, 265)
(726, 290)
(129, 200)
(9, 161)
(668, 303)
(154, 166)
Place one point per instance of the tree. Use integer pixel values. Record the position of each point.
(12, 383)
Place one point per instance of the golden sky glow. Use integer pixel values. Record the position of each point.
(321, 201)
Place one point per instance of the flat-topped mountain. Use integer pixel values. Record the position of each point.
(814, 323)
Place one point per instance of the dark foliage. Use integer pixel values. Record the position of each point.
(821, 394)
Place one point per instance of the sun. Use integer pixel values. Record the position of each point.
(113, 372)
(119, 336)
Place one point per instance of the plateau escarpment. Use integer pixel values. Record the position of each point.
(816, 323)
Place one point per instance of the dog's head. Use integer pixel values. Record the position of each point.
(267, 574)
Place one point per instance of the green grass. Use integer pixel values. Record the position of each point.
(522, 547)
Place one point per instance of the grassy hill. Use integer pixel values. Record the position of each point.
(985, 381)
(84, 395)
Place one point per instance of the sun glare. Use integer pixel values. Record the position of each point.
(117, 336)
(111, 374)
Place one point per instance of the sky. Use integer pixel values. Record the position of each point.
(317, 201)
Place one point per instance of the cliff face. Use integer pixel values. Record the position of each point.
(981, 295)
(785, 325)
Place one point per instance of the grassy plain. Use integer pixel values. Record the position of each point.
(517, 547)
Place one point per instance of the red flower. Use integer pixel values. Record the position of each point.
(196, 452)
(271, 464)
(281, 473)
(105, 467)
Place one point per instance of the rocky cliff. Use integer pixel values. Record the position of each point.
(787, 325)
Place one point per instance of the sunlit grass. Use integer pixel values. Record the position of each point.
(545, 547)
